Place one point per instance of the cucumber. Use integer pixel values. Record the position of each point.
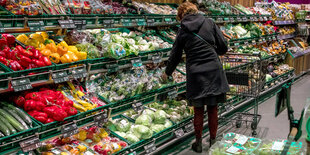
(20, 120)
(21, 113)
(12, 120)
(8, 125)
(5, 130)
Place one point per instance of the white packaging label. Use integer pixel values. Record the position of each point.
(233, 149)
(242, 140)
(278, 146)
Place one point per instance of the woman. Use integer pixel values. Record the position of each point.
(202, 41)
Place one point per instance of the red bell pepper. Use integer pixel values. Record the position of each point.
(24, 52)
(24, 64)
(50, 110)
(40, 105)
(13, 66)
(33, 96)
(19, 101)
(47, 61)
(32, 112)
(18, 66)
(38, 63)
(26, 59)
(3, 60)
(60, 115)
(6, 50)
(3, 42)
(30, 105)
(49, 120)
(42, 119)
(36, 53)
(15, 54)
(2, 54)
(10, 39)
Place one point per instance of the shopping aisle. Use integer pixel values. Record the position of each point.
(269, 126)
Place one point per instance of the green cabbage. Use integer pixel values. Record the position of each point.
(132, 138)
(168, 123)
(144, 119)
(149, 113)
(144, 131)
(157, 127)
(160, 117)
(123, 125)
(122, 134)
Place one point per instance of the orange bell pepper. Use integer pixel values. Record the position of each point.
(66, 58)
(54, 57)
(61, 50)
(46, 52)
(51, 47)
(41, 47)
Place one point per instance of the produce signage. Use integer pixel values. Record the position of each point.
(265, 19)
(220, 19)
(21, 84)
(252, 19)
(168, 21)
(156, 58)
(67, 24)
(79, 73)
(244, 19)
(112, 68)
(60, 77)
(126, 22)
(255, 18)
(1, 27)
(101, 118)
(172, 94)
(138, 107)
(232, 19)
(141, 22)
(179, 133)
(189, 127)
(30, 144)
(69, 130)
(136, 63)
(239, 19)
(80, 24)
(36, 25)
(270, 18)
(261, 18)
(108, 22)
(150, 22)
(253, 42)
(150, 147)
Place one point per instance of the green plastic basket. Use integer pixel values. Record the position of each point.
(4, 81)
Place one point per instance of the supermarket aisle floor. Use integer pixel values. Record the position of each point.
(269, 126)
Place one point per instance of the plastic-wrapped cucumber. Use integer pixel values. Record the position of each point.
(8, 125)
(21, 113)
(19, 119)
(4, 129)
(12, 120)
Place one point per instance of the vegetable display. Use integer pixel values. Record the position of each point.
(155, 9)
(88, 140)
(168, 34)
(46, 105)
(128, 84)
(243, 9)
(13, 120)
(276, 147)
(246, 143)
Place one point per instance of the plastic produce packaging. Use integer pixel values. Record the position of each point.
(246, 143)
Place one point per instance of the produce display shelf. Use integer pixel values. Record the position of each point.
(299, 53)
(246, 41)
(284, 22)
(239, 18)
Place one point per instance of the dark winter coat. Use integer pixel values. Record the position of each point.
(204, 72)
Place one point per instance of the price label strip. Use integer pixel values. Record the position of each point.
(67, 24)
(69, 130)
(172, 94)
(232, 19)
(80, 24)
(30, 144)
(244, 19)
(219, 19)
(60, 77)
(79, 73)
(150, 148)
(21, 84)
(108, 23)
(126, 22)
(179, 133)
(1, 28)
(102, 118)
(136, 63)
(141, 22)
(36, 25)
(156, 58)
(189, 127)
(150, 22)
(239, 19)
(112, 68)
(168, 21)
(138, 107)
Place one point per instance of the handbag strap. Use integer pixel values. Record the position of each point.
(204, 40)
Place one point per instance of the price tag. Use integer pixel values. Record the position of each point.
(30, 144)
(244, 19)
(255, 18)
(150, 22)
(136, 63)
(138, 107)
(101, 118)
(141, 22)
(233, 149)
(189, 127)
(265, 19)
(69, 130)
(246, 43)
(270, 18)
(253, 42)
(172, 94)
(239, 19)
(21, 84)
(264, 40)
(278, 146)
(126, 22)
(274, 38)
(112, 68)
(1, 28)
(150, 148)
(220, 19)
(179, 133)
(236, 44)
(261, 18)
(156, 59)
(67, 24)
(252, 19)
(108, 22)
(80, 24)
(242, 140)
(232, 19)
(168, 20)
(60, 77)
(79, 73)
(36, 25)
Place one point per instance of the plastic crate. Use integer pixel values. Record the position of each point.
(4, 81)
(70, 65)
(8, 143)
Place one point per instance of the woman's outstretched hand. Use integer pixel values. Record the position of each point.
(164, 77)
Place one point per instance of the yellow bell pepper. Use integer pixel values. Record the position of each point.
(63, 43)
(61, 50)
(22, 38)
(66, 58)
(37, 37)
(43, 34)
(41, 47)
(32, 42)
(81, 55)
(72, 49)
(51, 47)
(73, 56)
(54, 57)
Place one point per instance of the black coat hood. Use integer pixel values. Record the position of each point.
(192, 22)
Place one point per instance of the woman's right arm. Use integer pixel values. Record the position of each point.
(220, 41)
